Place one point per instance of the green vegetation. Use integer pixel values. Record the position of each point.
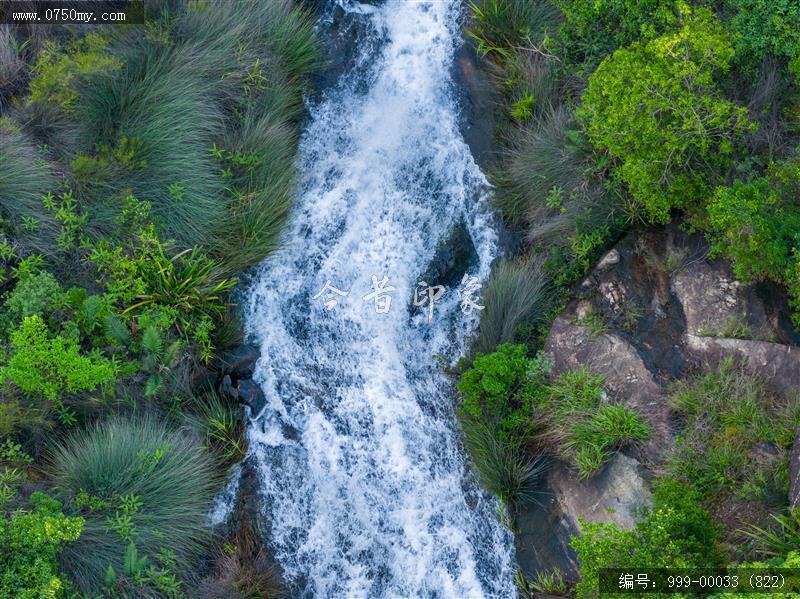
(141, 170)
(676, 532)
(581, 428)
(517, 297)
(727, 414)
(654, 107)
(619, 115)
(511, 415)
(133, 481)
(31, 541)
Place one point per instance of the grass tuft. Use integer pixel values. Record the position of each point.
(134, 480)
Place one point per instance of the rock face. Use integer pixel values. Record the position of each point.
(616, 494)
(653, 310)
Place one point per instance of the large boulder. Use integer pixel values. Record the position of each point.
(616, 494)
(239, 362)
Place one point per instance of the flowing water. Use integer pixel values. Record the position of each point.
(364, 481)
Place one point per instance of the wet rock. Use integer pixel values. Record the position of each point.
(616, 494)
(228, 389)
(252, 395)
(777, 364)
(452, 259)
(609, 260)
(480, 101)
(239, 362)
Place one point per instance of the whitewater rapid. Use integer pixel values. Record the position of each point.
(363, 479)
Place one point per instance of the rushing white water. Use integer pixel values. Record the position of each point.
(364, 481)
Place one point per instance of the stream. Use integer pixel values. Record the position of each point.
(364, 481)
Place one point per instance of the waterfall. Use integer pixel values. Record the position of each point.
(364, 480)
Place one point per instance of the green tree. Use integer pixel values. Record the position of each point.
(766, 27)
(29, 545)
(655, 108)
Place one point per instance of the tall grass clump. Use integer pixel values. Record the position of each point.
(503, 24)
(505, 467)
(135, 482)
(582, 429)
(518, 293)
(149, 127)
(24, 179)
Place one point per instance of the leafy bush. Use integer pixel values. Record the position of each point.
(49, 367)
(653, 106)
(36, 294)
(133, 481)
(765, 27)
(516, 294)
(756, 225)
(726, 414)
(500, 389)
(676, 533)
(581, 429)
(29, 546)
(595, 28)
(56, 69)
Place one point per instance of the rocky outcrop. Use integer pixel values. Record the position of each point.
(655, 309)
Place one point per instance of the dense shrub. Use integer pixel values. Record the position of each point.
(134, 481)
(654, 107)
(595, 28)
(757, 225)
(30, 542)
(765, 27)
(49, 367)
(676, 533)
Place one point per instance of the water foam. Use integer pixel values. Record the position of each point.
(364, 481)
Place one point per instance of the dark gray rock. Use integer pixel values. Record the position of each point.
(228, 389)
(452, 259)
(627, 378)
(252, 395)
(239, 362)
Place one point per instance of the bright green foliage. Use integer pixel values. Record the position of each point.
(29, 546)
(654, 107)
(595, 28)
(765, 27)
(756, 225)
(727, 413)
(133, 481)
(47, 367)
(500, 389)
(676, 533)
(56, 69)
(793, 282)
(580, 428)
(38, 293)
